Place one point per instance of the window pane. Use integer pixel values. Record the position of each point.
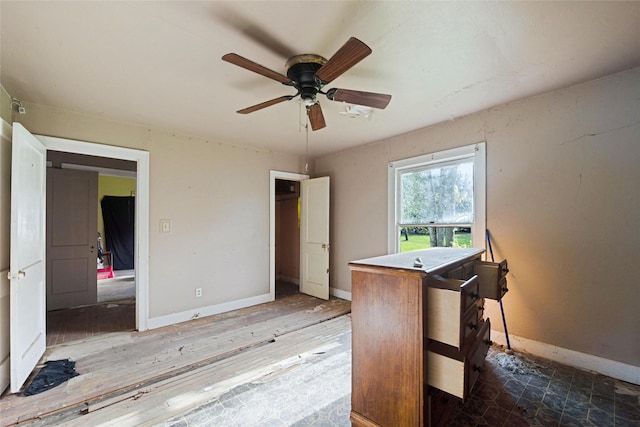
(415, 238)
(441, 194)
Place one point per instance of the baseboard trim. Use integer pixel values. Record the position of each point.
(610, 368)
(339, 293)
(172, 319)
(184, 316)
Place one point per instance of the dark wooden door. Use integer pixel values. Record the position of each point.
(72, 227)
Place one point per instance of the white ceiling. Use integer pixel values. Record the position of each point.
(158, 63)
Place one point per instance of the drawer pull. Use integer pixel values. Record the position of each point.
(488, 343)
(473, 325)
(505, 270)
(474, 295)
(477, 368)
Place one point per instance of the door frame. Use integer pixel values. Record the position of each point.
(141, 239)
(273, 176)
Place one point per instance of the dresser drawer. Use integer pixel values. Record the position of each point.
(471, 323)
(478, 355)
(456, 372)
(492, 278)
(467, 269)
(441, 407)
(456, 273)
(451, 305)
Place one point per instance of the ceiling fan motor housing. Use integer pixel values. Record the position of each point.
(301, 69)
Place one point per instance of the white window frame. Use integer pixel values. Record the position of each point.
(475, 151)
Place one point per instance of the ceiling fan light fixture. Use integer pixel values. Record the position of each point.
(309, 101)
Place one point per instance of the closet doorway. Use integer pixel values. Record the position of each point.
(284, 247)
(287, 237)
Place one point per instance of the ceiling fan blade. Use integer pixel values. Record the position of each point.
(265, 104)
(256, 68)
(368, 99)
(352, 52)
(316, 118)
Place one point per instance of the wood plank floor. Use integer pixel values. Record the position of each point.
(115, 312)
(120, 368)
(64, 326)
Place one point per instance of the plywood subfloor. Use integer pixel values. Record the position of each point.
(123, 367)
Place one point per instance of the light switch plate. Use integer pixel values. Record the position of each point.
(165, 226)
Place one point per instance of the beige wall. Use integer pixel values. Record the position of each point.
(216, 195)
(562, 206)
(5, 105)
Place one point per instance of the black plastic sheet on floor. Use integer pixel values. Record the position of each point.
(52, 374)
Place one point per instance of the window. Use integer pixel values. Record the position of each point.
(438, 199)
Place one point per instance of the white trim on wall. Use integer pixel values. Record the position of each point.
(142, 209)
(610, 368)
(195, 313)
(273, 176)
(101, 171)
(339, 293)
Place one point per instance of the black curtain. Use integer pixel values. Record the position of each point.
(118, 214)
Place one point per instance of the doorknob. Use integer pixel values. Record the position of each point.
(20, 275)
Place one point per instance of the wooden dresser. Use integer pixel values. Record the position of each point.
(419, 334)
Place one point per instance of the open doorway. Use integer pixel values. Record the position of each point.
(90, 216)
(141, 160)
(284, 233)
(287, 237)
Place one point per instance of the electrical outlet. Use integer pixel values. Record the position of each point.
(198, 292)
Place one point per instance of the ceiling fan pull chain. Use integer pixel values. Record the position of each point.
(306, 156)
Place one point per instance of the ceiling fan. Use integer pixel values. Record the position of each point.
(309, 73)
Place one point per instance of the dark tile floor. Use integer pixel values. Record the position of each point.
(521, 390)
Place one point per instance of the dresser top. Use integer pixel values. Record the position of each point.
(433, 259)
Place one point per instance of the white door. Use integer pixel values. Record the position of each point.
(314, 237)
(72, 221)
(27, 258)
